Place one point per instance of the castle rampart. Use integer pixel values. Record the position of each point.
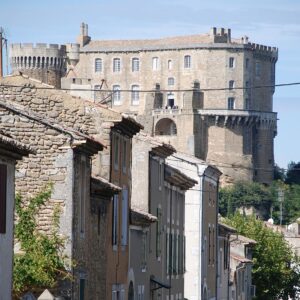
(40, 61)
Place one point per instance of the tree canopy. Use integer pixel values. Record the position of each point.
(293, 173)
(275, 267)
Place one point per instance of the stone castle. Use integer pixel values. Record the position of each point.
(208, 95)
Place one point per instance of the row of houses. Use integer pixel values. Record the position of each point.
(140, 220)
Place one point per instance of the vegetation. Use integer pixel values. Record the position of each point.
(293, 173)
(42, 262)
(276, 272)
(263, 198)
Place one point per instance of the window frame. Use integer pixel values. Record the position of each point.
(231, 62)
(231, 85)
(98, 65)
(116, 96)
(155, 63)
(116, 65)
(135, 64)
(135, 94)
(115, 221)
(187, 61)
(230, 103)
(171, 81)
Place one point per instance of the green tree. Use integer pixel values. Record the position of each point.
(244, 194)
(275, 267)
(293, 173)
(42, 262)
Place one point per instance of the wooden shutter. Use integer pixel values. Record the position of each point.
(124, 217)
(3, 197)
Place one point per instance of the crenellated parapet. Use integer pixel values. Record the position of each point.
(264, 52)
(37, 56)
(244, 118)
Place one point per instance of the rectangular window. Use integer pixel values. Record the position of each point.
(257, 69)
(230, 104)
(231, 62)
(124, 217)
(247, 103)
(135, 65)
(247, 63)
(154, 63)
(209, 245)
(158, 232)
(115, 220)
(231, 84)
(213, 245)
(187, 61)
(124, 157)
(171, 81)
(98, 65)
(3, 197)
(135, 95)
(83, 190)
(116, 151)
(170, 64)
(144, 251)
(81, 288)
(116, 95)
(116, 65)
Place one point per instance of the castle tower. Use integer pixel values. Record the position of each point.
(41, 61)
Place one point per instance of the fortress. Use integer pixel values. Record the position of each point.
(208, 95)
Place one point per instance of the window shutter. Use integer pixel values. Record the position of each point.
(115, 220)
(158, 233)
(3, 195)
(124, 217)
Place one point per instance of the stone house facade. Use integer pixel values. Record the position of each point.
(10, 151)
(241, 287)
(201, 226)
(198, 92)
(62, 157)
(225, 236)
(96, 120)
(157, 231)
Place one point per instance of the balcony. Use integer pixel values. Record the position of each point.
(166, 111)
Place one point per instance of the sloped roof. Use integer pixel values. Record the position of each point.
(141, 218)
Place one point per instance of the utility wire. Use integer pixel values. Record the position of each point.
(155, 90)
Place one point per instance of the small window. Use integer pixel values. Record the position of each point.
(155, 62)
(116, 65)
(257, 69)
(135, 95)
(231, 104)
(158, 232)
(187, 62)
(81, 288)
(98, 65)
(116, 95)
(247, 103)
(170, 64)
(124, 217)
(135, 65)
(171, 81)
(231, 84)
(115, 220)
(247, 63)
(124, 157)
(116, 151)
(231, 62)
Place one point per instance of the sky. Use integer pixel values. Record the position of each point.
(268, 22)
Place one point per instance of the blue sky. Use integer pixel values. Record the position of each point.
(273, 23)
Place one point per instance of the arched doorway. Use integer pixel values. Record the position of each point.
(131, 291)
(165, 127)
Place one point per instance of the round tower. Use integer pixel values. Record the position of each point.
(41, 61)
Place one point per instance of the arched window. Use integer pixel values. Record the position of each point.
(155, 62)
(171, 81)
(165, 127)
(29, 62)
(135, 64)
(135, 95)
(25, 61)
(116, 65)
(187, 61)
(116, 95)
(131, 291)
(98, 65)
(170, 64)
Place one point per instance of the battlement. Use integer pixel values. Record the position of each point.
(220, 35)
(266, 50)
(42, 46)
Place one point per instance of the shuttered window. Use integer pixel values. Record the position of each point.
(158, 232)
(115, 220)
(3, 196)
(124, 217)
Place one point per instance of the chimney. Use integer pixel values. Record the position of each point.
(83, 38)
